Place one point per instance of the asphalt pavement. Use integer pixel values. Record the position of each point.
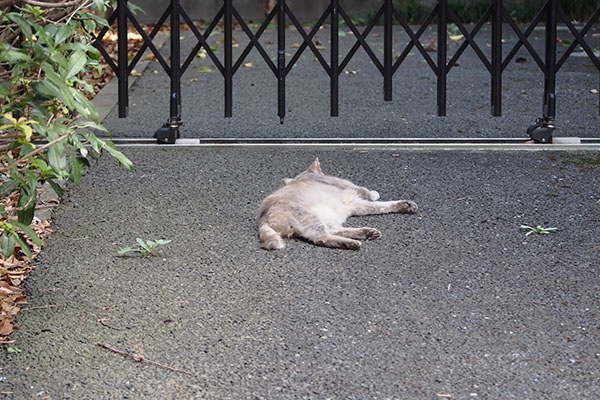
(453, 302)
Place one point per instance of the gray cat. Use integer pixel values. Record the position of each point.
(314, 206)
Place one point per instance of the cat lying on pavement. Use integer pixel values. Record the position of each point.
(314, 206)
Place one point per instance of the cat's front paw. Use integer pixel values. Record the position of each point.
(406, 207)
(373, 195)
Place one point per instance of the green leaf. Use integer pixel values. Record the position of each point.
(75, 64)
(58, 159)
(56, 187)
(22, 23)
(98, 5)
(8, 244)
(63, 33)
(8, 187)
(85, 107)
(123, 160)
(101, 22)
(29, 232)
(77, 164)
(27, 202)
(141, 242)
(12, 55)
(126, 250)
(24, 246)
(57, 86)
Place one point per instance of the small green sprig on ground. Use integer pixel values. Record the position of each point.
(145, 247)
(540, 230)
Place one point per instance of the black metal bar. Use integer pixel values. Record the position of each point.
(254, 41)
(122, 59)
(442, 51)
(414, 39)
(281, 60)
(387, 50)
(523, 41)
(579, 39)
(550, 73)
(228, 37)
(469, 39)
(361, 39)
(148, 42)
(175, 104)
(202, 41)
(307, 40)
(97, 43)
(497, 58)
(541, 131)
(335, 51)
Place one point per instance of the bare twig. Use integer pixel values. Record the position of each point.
(40, 149)
(125, 354)
(49, 4)
(102, 321)
(43, 307)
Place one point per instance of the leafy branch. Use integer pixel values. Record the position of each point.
(46, 48)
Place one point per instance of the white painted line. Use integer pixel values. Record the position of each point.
(566, 140)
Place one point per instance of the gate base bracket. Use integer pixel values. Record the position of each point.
(541, 131)
(168, 133)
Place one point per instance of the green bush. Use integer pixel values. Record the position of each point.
(47, 123)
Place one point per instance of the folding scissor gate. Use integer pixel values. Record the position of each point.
(441, 15)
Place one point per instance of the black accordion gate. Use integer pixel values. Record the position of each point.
(441, 16)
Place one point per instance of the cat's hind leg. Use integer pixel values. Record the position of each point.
(384, 207)
(311, 228)
(338, 242)
(359, 233)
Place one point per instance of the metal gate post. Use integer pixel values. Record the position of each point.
(497, 58)
(122, 73)
(542, 130)
(170, 131)
(335, 62)
(387, 50)
(281, 60)
(442, 50)
(228, 37)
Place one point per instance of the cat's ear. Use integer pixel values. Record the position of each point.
(287, 180)
(315, 167)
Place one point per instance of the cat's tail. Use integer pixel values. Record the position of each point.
(269, 238)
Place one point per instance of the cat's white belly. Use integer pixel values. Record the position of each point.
(330, 216)
(333, 208)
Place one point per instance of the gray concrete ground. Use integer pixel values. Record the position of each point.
(454, 302)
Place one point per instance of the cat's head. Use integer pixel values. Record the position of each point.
(313, 169)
